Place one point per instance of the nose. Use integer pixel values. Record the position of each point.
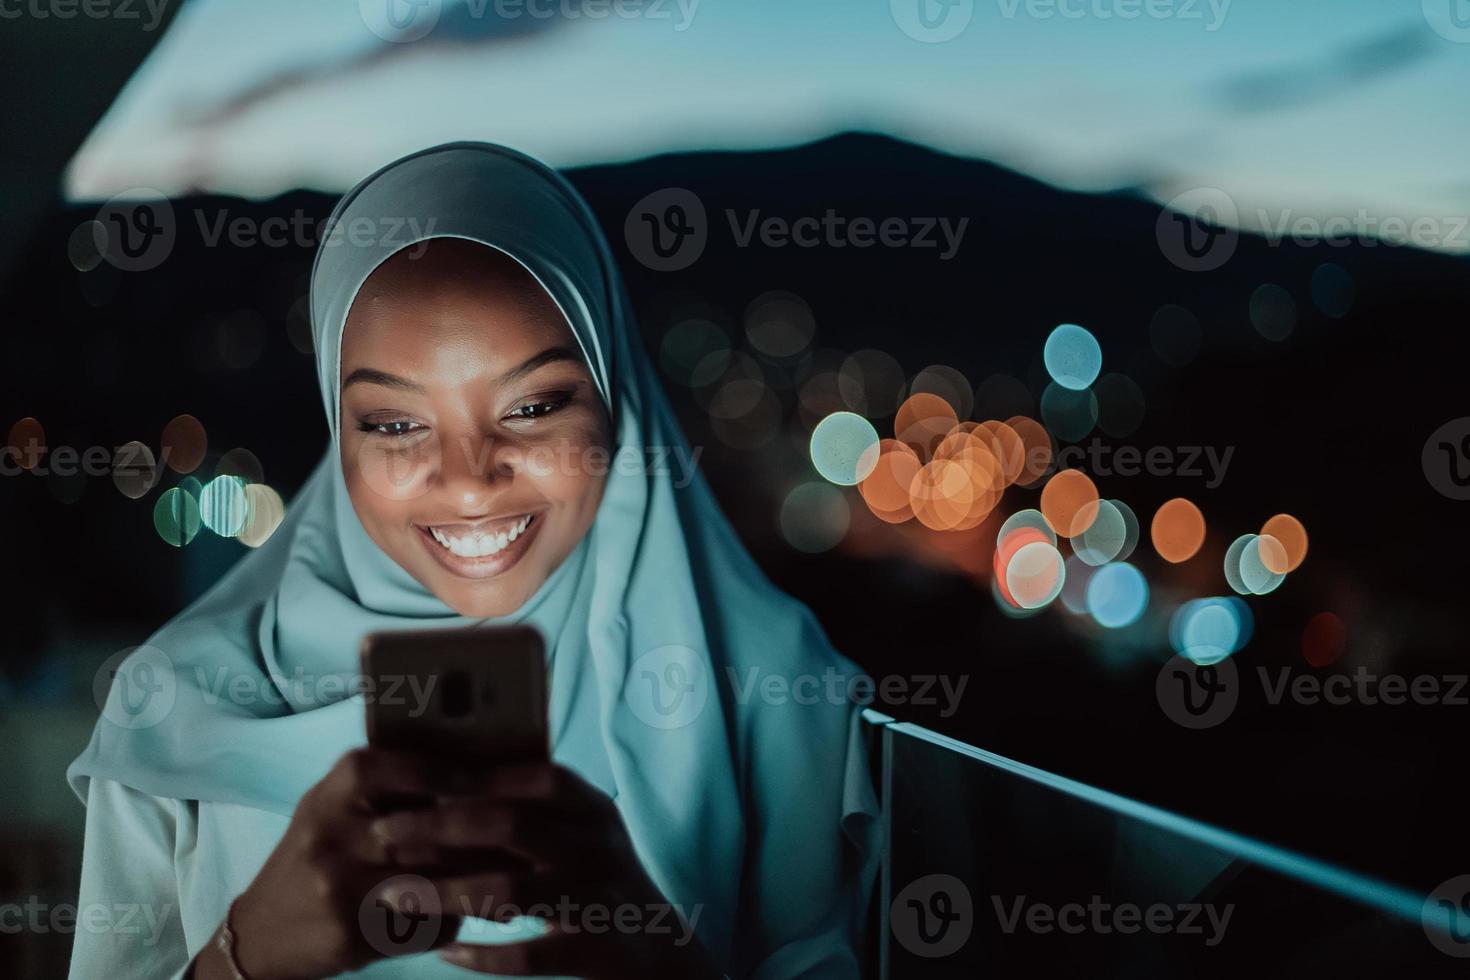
(475, 468)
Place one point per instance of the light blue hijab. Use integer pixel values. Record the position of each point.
(758, 810)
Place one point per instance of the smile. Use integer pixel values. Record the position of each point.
(480, 550)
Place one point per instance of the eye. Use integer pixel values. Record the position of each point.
(539, 408)
(394, 429)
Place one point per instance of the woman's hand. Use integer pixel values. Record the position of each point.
(310, 911)
(565, 857)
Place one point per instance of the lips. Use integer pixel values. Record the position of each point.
(480, 550)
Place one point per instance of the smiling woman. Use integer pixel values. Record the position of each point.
(466, 463)
(476, 382)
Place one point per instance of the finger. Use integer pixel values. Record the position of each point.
(372, 777)
(543, 782)
(498, 896)
(539, 834)
(556, 954)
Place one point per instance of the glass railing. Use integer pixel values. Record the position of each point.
(993, 868)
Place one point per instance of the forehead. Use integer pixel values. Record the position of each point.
(447, 302)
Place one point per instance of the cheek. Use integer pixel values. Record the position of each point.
(384, 474)
(570, 468)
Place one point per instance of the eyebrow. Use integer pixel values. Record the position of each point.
(551, 355)
(371, 376)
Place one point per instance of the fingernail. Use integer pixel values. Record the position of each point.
(457, 955)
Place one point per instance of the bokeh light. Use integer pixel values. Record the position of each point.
(886, 488)
(176, 516)
(1040, 451)
(844, 448)
(779, 324)
(814, 517)
(1072, 356)
(1104, 539)
(1178, 530)
(1258, 556)
(693, 349)
(1069, 415)
(871, 382)
(183, 444)
(1273, 312)
(1130, 521)
(265, 510)
(1293, 538)
(1117, 595)
(947, 383)
(922, 421)
(1069, 502)
(1332, 290)
(223, 506)
(134, 470)
(241, 463)
(27, 443)
(1206, 631)
(1034, 575)
(1074, 590)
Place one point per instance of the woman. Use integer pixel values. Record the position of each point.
(499, 454)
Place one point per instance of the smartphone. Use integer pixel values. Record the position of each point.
(476, 695)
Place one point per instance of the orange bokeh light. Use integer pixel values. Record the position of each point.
(886, 488)
(1069, 502)
(923, 421)
(1293, 538)
(1178, 530)
(1037, 445)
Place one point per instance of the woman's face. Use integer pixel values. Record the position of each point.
(468, 413)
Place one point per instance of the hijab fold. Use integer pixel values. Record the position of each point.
(649, 623)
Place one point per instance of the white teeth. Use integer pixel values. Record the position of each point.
(481, 545)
